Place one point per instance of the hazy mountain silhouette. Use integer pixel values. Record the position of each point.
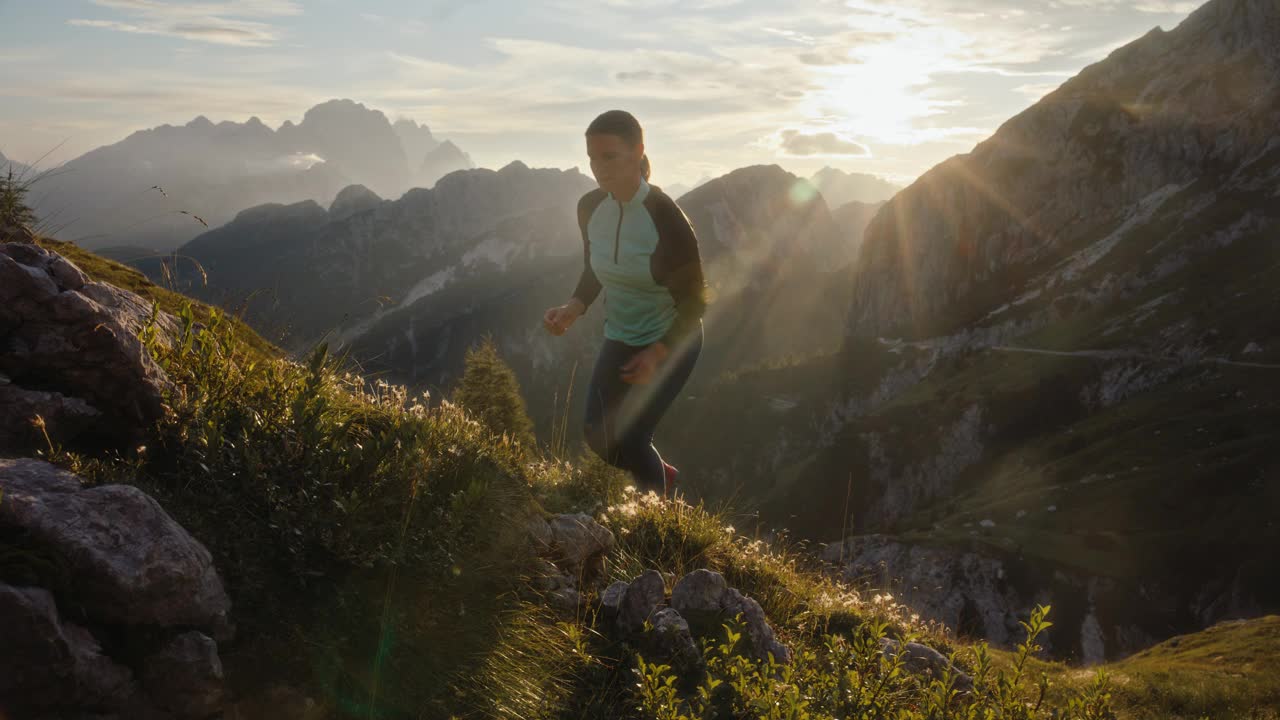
(840, 187)
(134, 192)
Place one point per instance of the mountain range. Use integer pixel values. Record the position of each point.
(161, 187)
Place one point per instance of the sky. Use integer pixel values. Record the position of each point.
(887, 88)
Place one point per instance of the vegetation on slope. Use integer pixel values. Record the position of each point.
(374, 547)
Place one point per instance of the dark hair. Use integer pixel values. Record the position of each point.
(624, 125)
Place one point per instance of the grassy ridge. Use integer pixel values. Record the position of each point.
(374, 549)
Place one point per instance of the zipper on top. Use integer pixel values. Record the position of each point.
(617, 234)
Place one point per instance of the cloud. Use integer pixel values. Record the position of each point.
(221, 23)
(645, 76)
(798, 143)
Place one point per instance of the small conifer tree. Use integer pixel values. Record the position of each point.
(490, 393)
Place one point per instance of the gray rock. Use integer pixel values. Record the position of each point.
(939, 583)
(579, 545)
(758, 631)
(48, 663)
(71, 351)
(700, 591)
(673, 641)
(639, 601)
(611, 598)
(185, 676)
(132, 562)
(924, 660)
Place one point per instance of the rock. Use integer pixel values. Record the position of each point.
(698, 597)
(185, 676)
(579, 545)
(611, 598)
(47, 663)
(700, 591)
(70, 350)
(758, 631)
(963, 590)
(132, 562)
(924, 660)
(639, 600)
(673, 641)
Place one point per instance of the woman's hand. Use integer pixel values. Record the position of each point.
(642, 366)
(557, 320)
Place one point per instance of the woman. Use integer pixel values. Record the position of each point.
(639, 247)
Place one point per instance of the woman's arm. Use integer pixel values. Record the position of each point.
(588, 285)
(678, 266)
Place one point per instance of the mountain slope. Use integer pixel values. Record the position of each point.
(332, 270)
(1061, 361)
(288, 473)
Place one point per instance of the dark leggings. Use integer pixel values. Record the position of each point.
(621, 417)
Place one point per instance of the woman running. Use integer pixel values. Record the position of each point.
(640, 248)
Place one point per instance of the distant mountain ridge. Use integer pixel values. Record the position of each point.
(134, 191)
(840, 187)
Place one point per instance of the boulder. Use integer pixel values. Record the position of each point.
(133, 564)
(923, 660)
(758, 631)
(699, 594)
(639, 601)
(673, 641)
(579, 544)
(70, 353)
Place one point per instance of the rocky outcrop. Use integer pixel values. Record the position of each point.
(571, 552)
(70, 353)
(962, 590)
(148, 605)
(700, 603)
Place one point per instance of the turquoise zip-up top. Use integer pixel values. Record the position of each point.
(644, 254)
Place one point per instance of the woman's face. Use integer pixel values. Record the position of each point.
(615, 164)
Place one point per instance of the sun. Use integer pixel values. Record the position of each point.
(882, 93)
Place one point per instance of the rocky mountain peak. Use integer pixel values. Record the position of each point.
(351, 200)
(1109, 147)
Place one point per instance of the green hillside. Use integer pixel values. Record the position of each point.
(374, 547)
